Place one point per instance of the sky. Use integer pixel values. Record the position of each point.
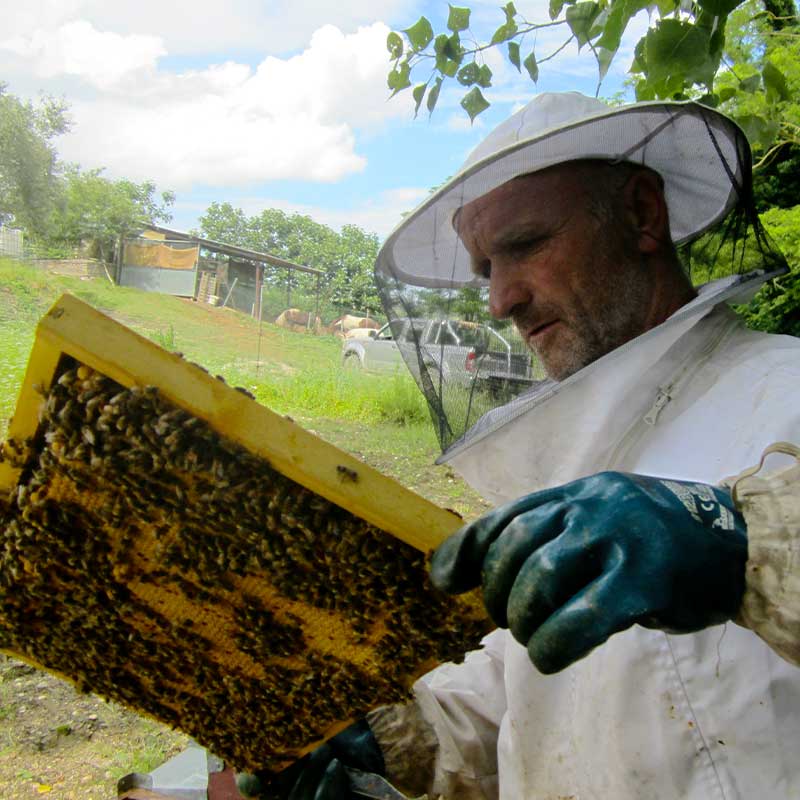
(271, 103)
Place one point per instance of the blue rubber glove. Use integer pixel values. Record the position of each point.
(567, 567)
(320, 775)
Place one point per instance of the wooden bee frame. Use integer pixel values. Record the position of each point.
(173, 545)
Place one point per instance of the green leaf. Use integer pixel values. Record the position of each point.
(711, 100)
(433, 95)
(513, 55)
(619, 14)
(449, 54)
(580, 18)
(555, 8)
(468, 74)
(511, 12)
(418, 93)
(644, 91)
(484, 76)
(774, 83)
(504, 32)
(677, 54)
(751, 84)
(639, 60)
(604, 59)
(458, 19)
(448, 68)
(719, 8)
(474, 103)
(394, 44)
(449, 47)
(454, 48)
(420, 34)
(399, 78)
(533, 68)
(716, 44)
(758, 130)
(726, 93)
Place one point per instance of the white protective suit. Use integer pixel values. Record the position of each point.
(647, 716)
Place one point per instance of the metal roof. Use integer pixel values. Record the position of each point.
(233, 250)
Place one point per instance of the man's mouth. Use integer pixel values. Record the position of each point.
(534, 334)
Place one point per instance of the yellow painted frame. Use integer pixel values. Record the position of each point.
(75, 329)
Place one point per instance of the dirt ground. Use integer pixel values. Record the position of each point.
(56, 743)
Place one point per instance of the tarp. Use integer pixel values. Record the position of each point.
(160, 254)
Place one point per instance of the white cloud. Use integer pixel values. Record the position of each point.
(209, 26)
(226, 124)
(77, 48)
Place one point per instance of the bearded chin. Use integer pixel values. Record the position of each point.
(580, 346)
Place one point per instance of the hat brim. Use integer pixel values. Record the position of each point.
(697, 151)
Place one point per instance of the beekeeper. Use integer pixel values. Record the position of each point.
(618, 555)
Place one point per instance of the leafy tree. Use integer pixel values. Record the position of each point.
(759, 84)
(680, 55)
(346, 258)
(352, 283)
(29, 167)
(224, 223)
(95, 208)
(776, 307)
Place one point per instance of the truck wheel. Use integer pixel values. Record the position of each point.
(352, 361)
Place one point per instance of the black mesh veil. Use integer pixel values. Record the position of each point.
(467, 363)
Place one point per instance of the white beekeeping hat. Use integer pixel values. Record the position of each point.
(700, 154)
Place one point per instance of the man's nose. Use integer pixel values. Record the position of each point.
(507, 290)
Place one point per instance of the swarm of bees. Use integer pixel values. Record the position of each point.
(156, 563)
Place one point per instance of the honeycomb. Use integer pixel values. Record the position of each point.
(157, 563)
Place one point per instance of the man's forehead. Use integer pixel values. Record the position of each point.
(524, 196)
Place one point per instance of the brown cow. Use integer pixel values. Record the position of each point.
(293, 319)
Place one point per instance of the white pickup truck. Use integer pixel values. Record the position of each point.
(460, 352)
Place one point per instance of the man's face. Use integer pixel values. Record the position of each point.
(569, 275)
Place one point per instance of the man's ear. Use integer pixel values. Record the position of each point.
(646, 210)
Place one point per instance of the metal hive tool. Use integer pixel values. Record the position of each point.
(170, 544)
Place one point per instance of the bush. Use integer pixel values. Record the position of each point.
(776, 307)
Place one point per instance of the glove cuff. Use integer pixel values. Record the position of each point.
(357, 747)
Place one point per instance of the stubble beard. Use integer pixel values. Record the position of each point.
(610, 309)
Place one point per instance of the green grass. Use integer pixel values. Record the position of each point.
(292, 373)
(149, 748)
(381, 418)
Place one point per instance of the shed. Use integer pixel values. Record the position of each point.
(164, 260)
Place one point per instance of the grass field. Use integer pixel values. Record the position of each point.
(292, 373)
(382, 419)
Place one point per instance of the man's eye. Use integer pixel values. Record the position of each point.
(526, 245)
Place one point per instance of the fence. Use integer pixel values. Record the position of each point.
(10, 242)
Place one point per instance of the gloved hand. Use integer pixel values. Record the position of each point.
(567, 567)
(320, 775)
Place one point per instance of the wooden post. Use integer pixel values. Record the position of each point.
(259, 283)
